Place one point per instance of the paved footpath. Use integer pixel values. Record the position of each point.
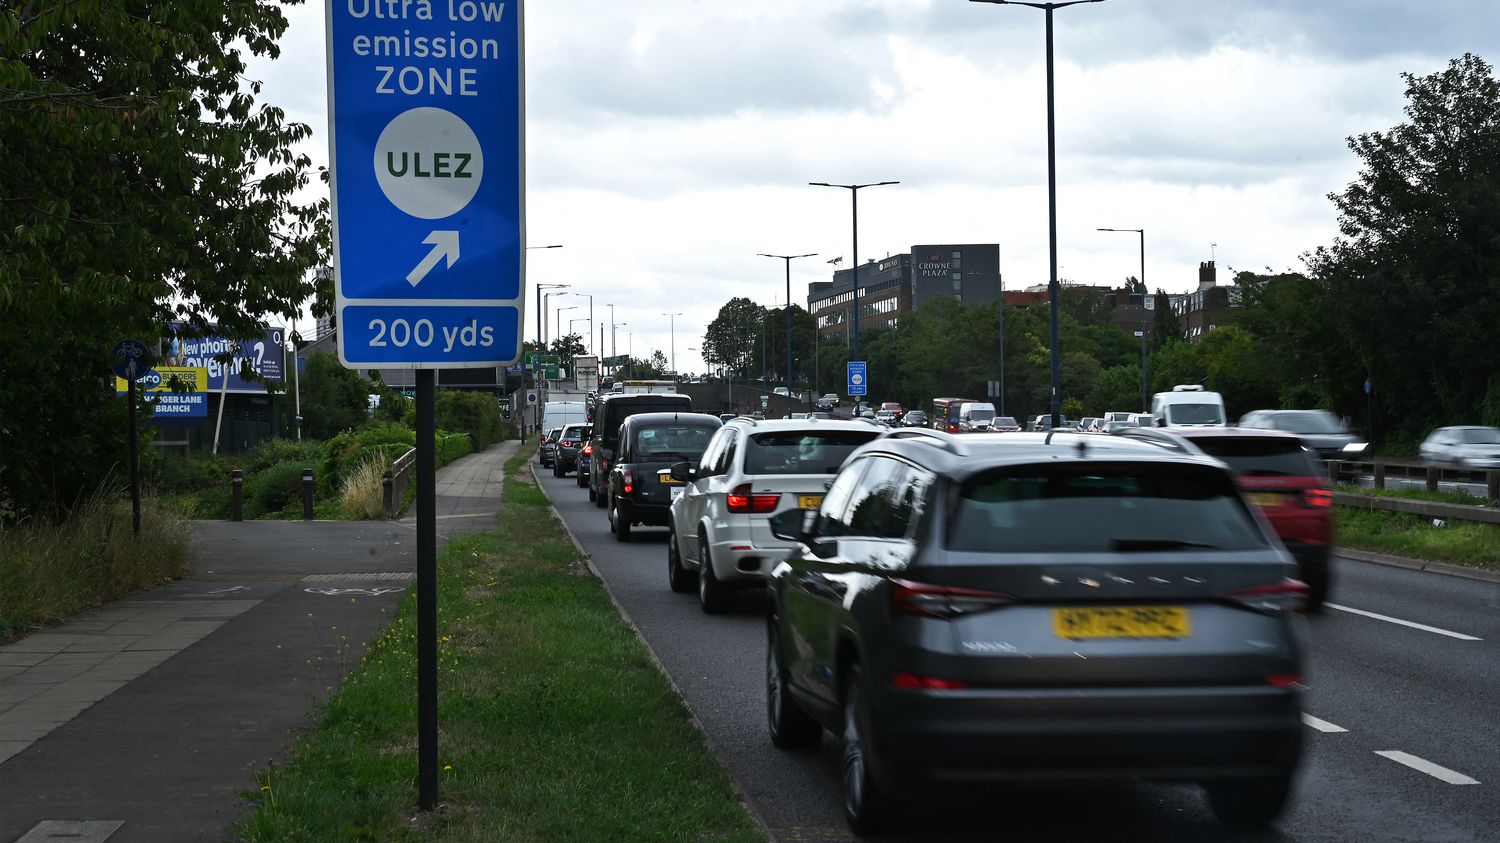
(146, 719)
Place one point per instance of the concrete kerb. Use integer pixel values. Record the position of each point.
(755, 815)
(1419, 565)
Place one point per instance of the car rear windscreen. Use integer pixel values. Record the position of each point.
(660, 443)
(802, 451)
(1250, 457)
(1101, 508)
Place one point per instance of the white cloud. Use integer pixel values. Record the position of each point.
(670, 141)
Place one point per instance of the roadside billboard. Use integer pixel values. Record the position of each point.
(264, 356)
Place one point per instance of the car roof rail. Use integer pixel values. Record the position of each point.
(947, 441)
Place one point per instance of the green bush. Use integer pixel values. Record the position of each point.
(344, 453)
(451, 446)
(176, 474)
(274, 451)
(273, 489)
(474, 413)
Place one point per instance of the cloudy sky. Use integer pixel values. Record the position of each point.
(670, 141)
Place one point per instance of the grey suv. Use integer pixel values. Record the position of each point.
(1037, 606)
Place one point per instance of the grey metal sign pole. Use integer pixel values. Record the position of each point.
(427, 718)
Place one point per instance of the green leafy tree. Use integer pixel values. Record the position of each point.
(568, 347)
(1164, 326)
(732, 339)
(143, 184)
(1411, 283)
(334, 399)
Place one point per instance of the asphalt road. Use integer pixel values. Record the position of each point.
(1426, 698)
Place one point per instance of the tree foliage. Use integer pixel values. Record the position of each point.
(143, 184)
(1412, 287)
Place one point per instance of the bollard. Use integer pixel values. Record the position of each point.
(236, 495)
(1333, 467)
(1492, 484)
(388, 492)
(307, 494)
(1380, 475)
(1432, 478)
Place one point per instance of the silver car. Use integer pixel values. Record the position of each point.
(752, 470)
(1463, 447)
(1037, 606)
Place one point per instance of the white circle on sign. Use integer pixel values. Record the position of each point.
(857, 379)
(428, 163)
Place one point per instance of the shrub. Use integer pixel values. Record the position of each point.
(272, 490)
(273, 451)
(475, 413)
(344, 453)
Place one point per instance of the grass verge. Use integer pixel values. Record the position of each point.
(1414, 494)
(1465, 543)
(555, 723)
(52, 571)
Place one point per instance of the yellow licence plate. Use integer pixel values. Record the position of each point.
(666, 479)
(809, 501)
(1122, 622)
(1264, 499)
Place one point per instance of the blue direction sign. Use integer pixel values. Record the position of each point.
(858, 383)
(132, 359)
(426, 151)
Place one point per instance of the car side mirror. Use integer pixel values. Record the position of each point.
(684, 471)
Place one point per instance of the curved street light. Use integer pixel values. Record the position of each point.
(788, 259)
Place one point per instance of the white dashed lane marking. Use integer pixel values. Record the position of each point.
(1413, 624)
(1424, 766)
(1321, 725)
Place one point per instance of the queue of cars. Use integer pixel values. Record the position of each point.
(992, 608)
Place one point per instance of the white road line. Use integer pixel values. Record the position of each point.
(1424, 766)
(1321, 725)
(1414, 625)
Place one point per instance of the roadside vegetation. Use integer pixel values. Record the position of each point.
(555, 722)
(51, 570)
(1413, 494)
(1403, 534)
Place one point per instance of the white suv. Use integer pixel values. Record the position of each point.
(719, 530)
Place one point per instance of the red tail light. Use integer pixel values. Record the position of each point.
(588, 449)
(1289, 595)
(952, 427)
(1317, 498)
(913, 682)
(629, 479)
(1285, 680)
(941, 601)
(741, 500)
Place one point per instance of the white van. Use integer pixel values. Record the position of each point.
(1188, 405)
(975, 416)
(562, 413)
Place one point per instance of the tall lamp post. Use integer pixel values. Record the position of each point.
(541, 339)
(854, 271)
(1146, 292)
(1053, 290)
(559, 313)
(590, 297)
(672, 329)
(788, 259)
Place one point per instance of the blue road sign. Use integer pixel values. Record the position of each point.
(859, 384)
(425, 103)
(132, 359)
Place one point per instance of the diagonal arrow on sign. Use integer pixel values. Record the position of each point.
(444, 244)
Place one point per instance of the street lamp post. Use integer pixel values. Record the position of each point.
(541, 340)
(672, 329)
(788, 259)
(854, 271)
(590, 297)
(1053, 290)
(559, 313)
(612, 351)
(1144, 292)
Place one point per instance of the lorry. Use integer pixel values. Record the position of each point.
(635, 387)
(1188, 405)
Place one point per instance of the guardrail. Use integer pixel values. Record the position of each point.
(1431, 475)
(395, 480)
(1429, 509)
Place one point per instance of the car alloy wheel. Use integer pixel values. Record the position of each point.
(866, 808)
(713, 595)
(679, 579)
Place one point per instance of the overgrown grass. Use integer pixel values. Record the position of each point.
(1403, 534)
(364, 489)
(52, 571)
(1414, 494)
(555, 723)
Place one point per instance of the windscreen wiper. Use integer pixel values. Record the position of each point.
(1155, 544)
